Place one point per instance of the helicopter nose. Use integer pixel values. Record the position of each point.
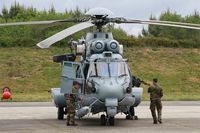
(110, 89)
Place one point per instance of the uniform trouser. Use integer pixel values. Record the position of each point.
(156, 104)
(71, 118)
(70, 113)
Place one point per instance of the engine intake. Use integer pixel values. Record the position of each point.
(113, 46)
(98, 46)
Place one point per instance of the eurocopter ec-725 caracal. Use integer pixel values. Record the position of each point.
(107, 84)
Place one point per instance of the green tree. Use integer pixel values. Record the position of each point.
(14, 10)
(77, 13)
(171, 32)
(52, 10)
(194, 18)
(153, 29)
(5, 13)
(144, 32)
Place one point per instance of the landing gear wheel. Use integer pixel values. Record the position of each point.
(132, 111)
(112, 120)
(103, 120)
(129, 117)
(131, 114)
(60, 113)
(136, 117)
(65, 111)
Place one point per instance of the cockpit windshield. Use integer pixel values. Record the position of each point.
(108, 69)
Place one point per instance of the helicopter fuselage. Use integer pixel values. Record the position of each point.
(105, 75)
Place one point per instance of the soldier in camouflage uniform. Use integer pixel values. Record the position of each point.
(71, 100)
(155, 97)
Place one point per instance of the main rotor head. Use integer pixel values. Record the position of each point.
(99, 16)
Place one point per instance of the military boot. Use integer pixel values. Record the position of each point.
(155, 120)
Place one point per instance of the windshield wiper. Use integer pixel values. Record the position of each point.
(95, 67)
(109, 70)
(122, 75)
(94, 76)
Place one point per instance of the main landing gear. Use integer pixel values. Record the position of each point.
(131, 114)
(61, 112)
(107, 119)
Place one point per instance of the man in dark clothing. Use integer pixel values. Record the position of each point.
(156, 94)
(71, 100)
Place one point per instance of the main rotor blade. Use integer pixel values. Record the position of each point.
(29, 23)
(161, 23)
(171, 25)
(63, 34)
(178, 23)
(43, 22)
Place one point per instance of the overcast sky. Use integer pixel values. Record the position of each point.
(137, 9)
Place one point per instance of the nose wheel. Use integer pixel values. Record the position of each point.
(112, 120)
(107, 119)
(103, 120)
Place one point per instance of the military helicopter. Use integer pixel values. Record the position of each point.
(107, 83)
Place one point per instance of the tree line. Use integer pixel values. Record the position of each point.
(154, 36)
(172, 32)
(163, 36)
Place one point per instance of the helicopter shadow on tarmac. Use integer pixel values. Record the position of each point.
(119, 122)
